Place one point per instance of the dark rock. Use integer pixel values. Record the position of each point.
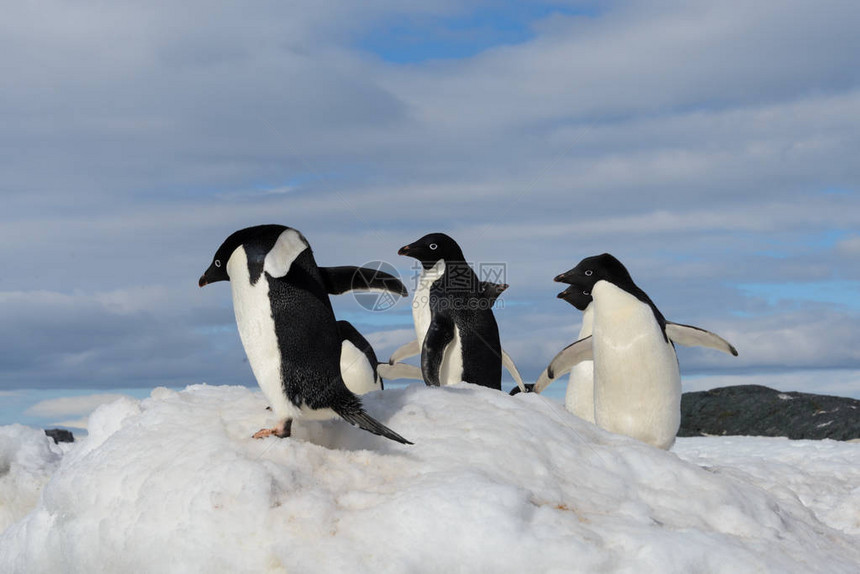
(753, 410)
(60, 435)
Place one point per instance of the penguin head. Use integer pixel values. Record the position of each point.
(593, 269)
(530, 388)
(577, 295)
(431, 248)
(259, 239)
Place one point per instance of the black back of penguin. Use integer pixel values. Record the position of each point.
(471, 311)
(460, 296)
(307, 335)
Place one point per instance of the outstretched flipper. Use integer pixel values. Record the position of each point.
(352, 412)
(410, 349)
(399, 371)
(690, 336)
(439, 335)
(543, 381)
(508, 363)
(346, 278)
(564, 361)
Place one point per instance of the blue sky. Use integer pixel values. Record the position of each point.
(712, 147)
(465, 33)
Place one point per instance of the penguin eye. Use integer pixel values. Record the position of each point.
(586, 293)
(433, 246)
(217, 263)
(588, 272)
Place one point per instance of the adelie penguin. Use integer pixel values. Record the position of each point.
(420, 305)
(287, 326)
(637, 382)
(458, 332)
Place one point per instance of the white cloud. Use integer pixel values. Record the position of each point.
(386, 341)
(71, 406)
(849, 247)
(80, 423)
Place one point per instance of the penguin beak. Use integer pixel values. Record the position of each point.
(565, 277)
(403, 250)
(203, 281)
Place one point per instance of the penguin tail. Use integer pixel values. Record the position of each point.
(357, 417)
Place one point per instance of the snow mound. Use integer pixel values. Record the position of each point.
(494, 483)
(28, 458)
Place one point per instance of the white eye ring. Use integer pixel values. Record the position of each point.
(433, 246)
(217, 263)
(586, 293)
(588, 272)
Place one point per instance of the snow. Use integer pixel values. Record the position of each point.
(174, 483)
(28, 458)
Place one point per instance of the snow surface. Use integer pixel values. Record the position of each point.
(494, 483)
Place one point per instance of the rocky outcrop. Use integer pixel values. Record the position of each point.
(60, 435)
(755, 410)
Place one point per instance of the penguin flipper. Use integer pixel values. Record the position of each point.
(338, 280)
(543, 381)
(439, 335)
(354, 414)
(568, 357)
(508, 363)
(399, 371)
(690, 336)
(348, 332)
(410, 349)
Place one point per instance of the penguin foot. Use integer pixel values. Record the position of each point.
(263, 433)
(282, 430)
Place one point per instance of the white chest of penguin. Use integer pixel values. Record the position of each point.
(637, 383)
(256, 326)
(451, 368)
(579, 398)
(421, 299)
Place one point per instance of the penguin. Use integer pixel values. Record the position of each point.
(637, 381)
(287, 326)
(491, 291)
(458, 332)
(360, 369)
